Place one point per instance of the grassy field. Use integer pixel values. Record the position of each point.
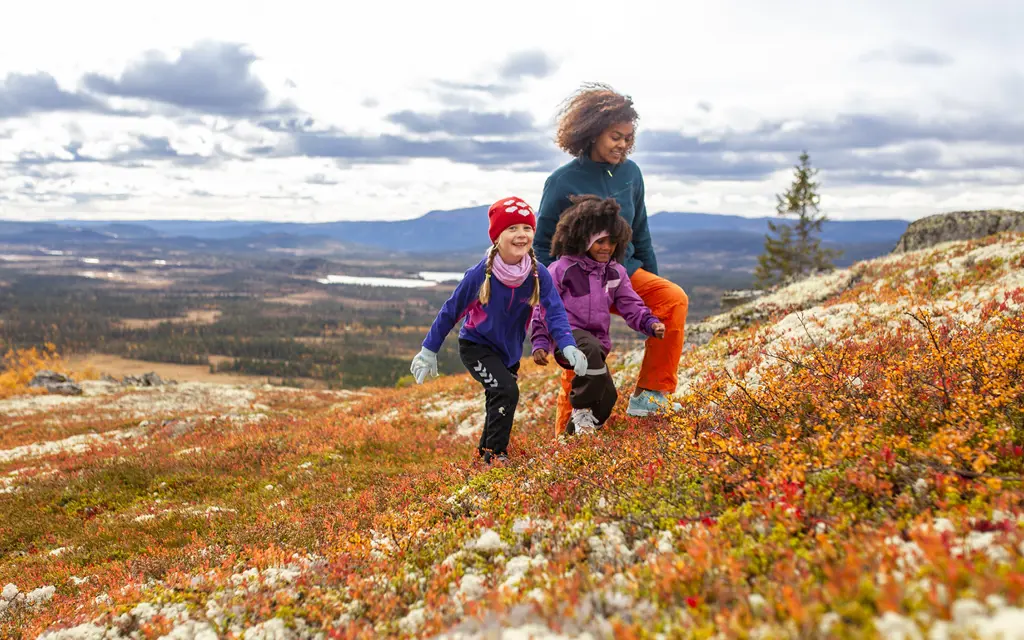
(118, 367)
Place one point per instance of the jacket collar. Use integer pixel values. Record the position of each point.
(586, 162)
(588, 264)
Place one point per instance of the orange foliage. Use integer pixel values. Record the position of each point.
(20, 365)
(822, 475)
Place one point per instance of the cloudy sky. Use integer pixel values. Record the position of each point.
(304, 111)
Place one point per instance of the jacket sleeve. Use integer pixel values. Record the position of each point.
(539, 336)
(454, 308)
(552, 203)
(554, 311)
(631, 307)
(643, 248)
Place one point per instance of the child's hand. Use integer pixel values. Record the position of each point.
(540, 356)
(425, 362)
(577, 360)
(659, 329)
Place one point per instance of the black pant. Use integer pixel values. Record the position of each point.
(501, 391)
(596, 390)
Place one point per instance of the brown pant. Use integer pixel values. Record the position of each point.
(596, 390)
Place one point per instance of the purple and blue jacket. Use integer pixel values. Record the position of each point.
(589, 289)
(501, 324)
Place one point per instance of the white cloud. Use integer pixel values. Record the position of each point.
(708, 70)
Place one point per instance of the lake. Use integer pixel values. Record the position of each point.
(425, 280)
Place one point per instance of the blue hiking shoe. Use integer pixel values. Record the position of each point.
(651, 403)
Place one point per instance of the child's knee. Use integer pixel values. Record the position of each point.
(510, 392)
(589, 345)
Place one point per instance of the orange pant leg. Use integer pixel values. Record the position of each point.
(666, 300)
(564, 408)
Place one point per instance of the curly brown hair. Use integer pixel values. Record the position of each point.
(590, 214)
(587, 113)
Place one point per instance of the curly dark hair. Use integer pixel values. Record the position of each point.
(590, 214)
(587, 113)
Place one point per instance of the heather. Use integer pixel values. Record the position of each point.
(847, 463)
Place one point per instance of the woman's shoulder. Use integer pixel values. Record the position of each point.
(570, 165)
(556, 176)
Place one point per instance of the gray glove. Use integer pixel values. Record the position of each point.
(576, 359)
(423, 363)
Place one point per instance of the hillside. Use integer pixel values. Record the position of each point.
(848, 463)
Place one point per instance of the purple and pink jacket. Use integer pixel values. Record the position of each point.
(589, 289)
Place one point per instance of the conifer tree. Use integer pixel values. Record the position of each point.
(795, 250)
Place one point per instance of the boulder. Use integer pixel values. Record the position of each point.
(55, 382)
(151, 379)
(735, 297)
(958, 225)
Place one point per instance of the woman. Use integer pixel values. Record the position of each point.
(597, 127)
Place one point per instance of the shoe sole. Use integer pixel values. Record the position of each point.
(643, 413)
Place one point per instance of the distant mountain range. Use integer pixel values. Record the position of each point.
(688, 239)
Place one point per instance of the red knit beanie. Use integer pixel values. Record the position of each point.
(506, 212)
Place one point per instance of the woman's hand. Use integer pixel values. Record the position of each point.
(659, 329)
(540, 356)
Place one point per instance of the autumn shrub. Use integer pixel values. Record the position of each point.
(19, 366)
(837, 463)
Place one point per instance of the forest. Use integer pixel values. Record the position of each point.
(276, 323)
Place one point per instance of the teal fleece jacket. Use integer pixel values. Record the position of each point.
(581, 176)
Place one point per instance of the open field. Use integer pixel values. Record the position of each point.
(119, 367)
(193, 316)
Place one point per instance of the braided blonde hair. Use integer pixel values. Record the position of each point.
(535, 298)
(485, 289)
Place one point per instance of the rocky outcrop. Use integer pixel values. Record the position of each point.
(151, 379)
(55, 382)
(735, 297)
(959, 225)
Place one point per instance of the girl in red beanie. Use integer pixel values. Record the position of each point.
(497, 309)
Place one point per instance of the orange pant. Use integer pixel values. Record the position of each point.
(659, 370)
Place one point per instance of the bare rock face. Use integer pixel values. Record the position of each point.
(959, 225)
(55, 382)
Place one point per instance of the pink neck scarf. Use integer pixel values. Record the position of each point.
(511, 275)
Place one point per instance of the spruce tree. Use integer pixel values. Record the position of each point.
(795, 250)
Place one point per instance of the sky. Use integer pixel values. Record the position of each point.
(310, 112)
